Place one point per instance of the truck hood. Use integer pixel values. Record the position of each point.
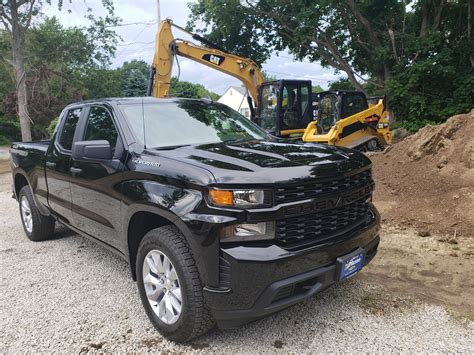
(257, 162)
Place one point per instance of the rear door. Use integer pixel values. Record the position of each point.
(95, 196)
(58, 164)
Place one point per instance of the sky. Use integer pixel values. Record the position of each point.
(138, 42)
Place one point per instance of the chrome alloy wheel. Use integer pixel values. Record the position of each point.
(26, 214)
(162, 286)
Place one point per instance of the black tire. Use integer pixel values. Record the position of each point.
(195, 318)
(42, 226)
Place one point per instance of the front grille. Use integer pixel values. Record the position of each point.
(323, 225)
(299, 192)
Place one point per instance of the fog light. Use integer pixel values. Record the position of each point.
(248, 232)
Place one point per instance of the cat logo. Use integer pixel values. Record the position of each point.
(214, 59)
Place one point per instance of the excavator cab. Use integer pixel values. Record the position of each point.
(285, 107)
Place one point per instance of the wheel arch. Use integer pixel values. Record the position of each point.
(19, 181)
(142, 219)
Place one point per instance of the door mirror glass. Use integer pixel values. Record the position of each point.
(99, 150)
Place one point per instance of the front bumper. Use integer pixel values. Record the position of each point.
(259, 281)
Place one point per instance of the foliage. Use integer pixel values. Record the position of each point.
(57, 56)
(52, 126)
(420, 54)
(268, 77)
(316, 88)
(9, 131)
(102, 82)
(63, 65)
(190, 90)
(233, 27)
(341, 84)
(135, 78)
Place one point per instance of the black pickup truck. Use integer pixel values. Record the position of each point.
(220, 222)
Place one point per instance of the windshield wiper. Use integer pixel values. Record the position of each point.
(170, 147)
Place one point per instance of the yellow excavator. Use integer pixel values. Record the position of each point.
(284, 108)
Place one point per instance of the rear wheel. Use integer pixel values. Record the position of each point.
(170, 286)
(37, 227)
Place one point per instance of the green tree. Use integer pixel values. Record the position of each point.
(190, 90)
(268, 77)
(135, 77)
(64, 65)
(316, 88)
(421, 53)
(101, 82)
(341, 84)
(17, 16)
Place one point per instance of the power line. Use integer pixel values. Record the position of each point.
(133, 43)
(133, 40)
(297, 76)
(134, 23)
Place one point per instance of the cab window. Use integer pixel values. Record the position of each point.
(328, 113)
(353, 103)
(294, 103)
(69, 128)
(100, 126)
(269, 107)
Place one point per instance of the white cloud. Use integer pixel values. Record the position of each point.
(138, 42)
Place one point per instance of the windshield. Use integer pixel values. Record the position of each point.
(186, 122)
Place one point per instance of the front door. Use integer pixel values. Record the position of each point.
(95, 197)
(58, 165)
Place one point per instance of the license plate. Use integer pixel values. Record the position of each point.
(350, 264)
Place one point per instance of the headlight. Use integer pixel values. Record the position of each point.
(238, 198)
(248, 232)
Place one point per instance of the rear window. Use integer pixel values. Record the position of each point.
(188, 122)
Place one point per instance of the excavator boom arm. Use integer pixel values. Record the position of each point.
(166, 47)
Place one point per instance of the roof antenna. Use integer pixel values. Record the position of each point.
(143, 123)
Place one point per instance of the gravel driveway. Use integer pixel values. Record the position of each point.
(68, 294)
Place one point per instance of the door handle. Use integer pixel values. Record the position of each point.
(75, 170)
(51, 164)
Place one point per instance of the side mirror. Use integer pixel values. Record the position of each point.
(92, 150)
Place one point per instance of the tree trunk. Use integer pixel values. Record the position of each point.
(354, 80)
(469, 9)
(424, 20)
(20, 76)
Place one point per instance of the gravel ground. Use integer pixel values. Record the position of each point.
(4, 152)
(68, 294)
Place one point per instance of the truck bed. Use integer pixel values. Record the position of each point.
(29, 146)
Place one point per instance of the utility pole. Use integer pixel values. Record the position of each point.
(158, 15)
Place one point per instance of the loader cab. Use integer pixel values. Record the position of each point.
(334, 105)
(285, 107)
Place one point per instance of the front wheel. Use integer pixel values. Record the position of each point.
(170, 286)
(37, 227)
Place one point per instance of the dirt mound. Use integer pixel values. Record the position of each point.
(426, 181)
